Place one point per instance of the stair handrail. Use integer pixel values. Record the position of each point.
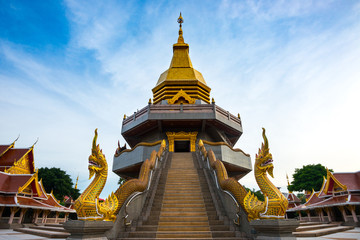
(228, 185)
(155, 157)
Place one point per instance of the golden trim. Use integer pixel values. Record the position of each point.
(184, 136)
(180, 94)
(22, 165)
(140, 144)
(330, 175)
(34, 177)
(226, 144)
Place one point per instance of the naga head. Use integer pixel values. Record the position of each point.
(97, 161)
(263, 160)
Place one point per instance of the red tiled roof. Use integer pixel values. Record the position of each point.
(34, 203)
(351, 180)
(3, 148)
(7, 200)
(10, 183)
(11, 156)
(293, 198)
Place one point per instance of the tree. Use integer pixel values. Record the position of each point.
(302, 197)
(257, 193)
(308, 177)
(121, 181)
(58, 181)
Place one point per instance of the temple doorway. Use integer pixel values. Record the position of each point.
(182, 146)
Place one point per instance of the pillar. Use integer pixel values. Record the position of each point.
(322, 217)
(299, 215)
(56, 216)
(12, 215)
(66, 216)
(45, 215)
(1, 211)
(22, 213)
(343, 212)
(318, 212)
(308, 215)
(353, 213)
(36, 215)
(328, 213)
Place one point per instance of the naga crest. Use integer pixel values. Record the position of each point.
(263, 160)
(97, 161)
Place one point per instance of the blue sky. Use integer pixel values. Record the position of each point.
(68, 67)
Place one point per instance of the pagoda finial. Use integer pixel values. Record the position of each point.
(77, 180)
(180, 21)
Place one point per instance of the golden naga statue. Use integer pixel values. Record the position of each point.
(88, 207)
(275, 204)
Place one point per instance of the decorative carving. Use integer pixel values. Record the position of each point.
(181, 136)
(22, 166)
(182, 97)
(275, 203)
(88, 207)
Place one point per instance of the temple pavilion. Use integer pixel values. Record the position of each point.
(23, 198)
(338, 200)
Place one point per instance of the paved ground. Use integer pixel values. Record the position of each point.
(9, 234)
(354, 234)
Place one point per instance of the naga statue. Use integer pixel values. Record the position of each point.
(275, 204)
(88, 206)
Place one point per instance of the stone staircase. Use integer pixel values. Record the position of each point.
(182, 207)
(49, 230)
(316, 229)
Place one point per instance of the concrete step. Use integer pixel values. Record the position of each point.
(50, 228)
(183, 214)
(309, 223)
(321, 232)
(314, 227)
(43, 233)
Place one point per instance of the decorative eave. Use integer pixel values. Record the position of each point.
(322, 187)
(9, 147)
(183, 94)
(35, 185)
(330, 177)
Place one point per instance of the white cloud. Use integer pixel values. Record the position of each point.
(300, 83)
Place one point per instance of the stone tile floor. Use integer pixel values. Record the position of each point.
(354, 234)
(9, 234)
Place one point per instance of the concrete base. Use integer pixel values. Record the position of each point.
(275, 229)
(87, 229)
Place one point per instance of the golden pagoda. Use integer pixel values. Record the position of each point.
(181, 75)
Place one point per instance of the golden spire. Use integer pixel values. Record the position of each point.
(180, 21)
(77, 179)
(181, 75)
(287, 178)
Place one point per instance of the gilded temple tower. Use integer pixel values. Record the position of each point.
(182, 113)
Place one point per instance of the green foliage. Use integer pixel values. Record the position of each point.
(121, 181)
(257, 193)
(59, 181)
(307, 178)
(302, 197)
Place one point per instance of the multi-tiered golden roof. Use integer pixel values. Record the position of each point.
(181, 75)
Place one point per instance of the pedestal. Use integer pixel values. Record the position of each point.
(87, 229)
(275, 229)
